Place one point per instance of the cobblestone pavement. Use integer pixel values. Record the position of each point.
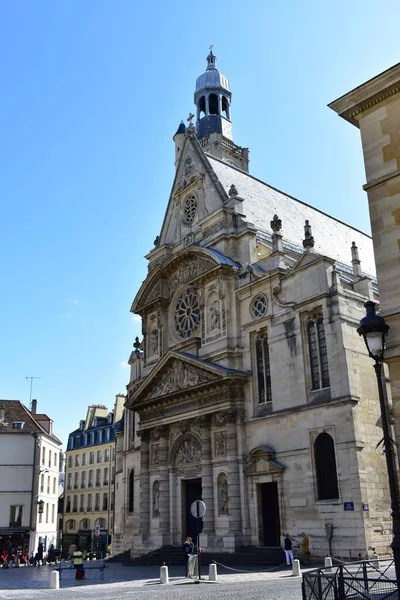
(122, 581)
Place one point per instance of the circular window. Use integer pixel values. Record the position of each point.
(187, 313)
(258, 306)
(189, 209)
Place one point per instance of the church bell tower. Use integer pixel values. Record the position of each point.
(212, 98)
(213, 101)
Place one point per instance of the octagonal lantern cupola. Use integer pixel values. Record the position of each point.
(213, 99)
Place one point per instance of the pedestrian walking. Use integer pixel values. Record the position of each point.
(188, 549)
(77, 559)
(288, 547)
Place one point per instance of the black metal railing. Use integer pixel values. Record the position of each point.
(363, 580)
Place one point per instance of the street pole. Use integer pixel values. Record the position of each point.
(392, 475)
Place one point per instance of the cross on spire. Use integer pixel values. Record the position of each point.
(190, 117)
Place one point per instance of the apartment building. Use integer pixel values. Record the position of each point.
(89, 480)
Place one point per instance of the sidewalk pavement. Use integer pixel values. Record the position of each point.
(129, 576)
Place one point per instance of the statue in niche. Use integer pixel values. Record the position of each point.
(154, 341)
(223, 498)
(156, 499)
(215, 316)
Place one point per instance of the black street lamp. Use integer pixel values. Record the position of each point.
(374, 331)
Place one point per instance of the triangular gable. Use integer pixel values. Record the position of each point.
(309, 258)
(263, 461)
(193, 168)
(178, 373)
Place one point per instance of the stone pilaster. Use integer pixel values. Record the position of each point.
(144, 526)
(164, 483)
(204, 423)
(233, 473)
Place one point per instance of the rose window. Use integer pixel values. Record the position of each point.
(189, 209)
(187, 313)
(258, 306)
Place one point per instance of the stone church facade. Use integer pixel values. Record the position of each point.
(250, 389)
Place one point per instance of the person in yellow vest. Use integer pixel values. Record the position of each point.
(77, 559)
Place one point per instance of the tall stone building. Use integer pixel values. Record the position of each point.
(374, 107)
(90, 480)
(251, 388)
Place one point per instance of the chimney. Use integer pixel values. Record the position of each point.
(34, 407)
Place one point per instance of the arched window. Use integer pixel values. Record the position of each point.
(201, 106)
(225, 107)
(130, 491)
(71, 524)
(102, 523)
(84, 524)
(325, 467)
(318, 356)
(213, 104)
(263, 370)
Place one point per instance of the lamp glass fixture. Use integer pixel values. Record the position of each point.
(375, 341)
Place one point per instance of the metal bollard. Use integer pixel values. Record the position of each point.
(164, 574)
(54, 580)
(328, 564)
(212, 572)
(296, 571)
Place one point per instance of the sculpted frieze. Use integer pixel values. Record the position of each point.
(192, 268)
(179, 377)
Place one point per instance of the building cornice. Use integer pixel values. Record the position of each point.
(366, 97)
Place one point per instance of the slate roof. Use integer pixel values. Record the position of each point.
(15, 411)
(206, 363)
(261, 202)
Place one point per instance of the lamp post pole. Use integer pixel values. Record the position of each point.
(374, 331)
(392, 475)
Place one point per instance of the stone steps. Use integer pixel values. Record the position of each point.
(173, 555)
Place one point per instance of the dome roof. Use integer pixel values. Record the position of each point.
(212, 78)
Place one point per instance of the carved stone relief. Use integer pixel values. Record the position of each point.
(222, 485)
(224, 416)
(188, 452)
(156, 499)
(193, 267)
(154, 455)
(220, 443)
(214, 316)
(180, 376)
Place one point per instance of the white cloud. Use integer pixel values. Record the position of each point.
(72, 301)
(137, 318)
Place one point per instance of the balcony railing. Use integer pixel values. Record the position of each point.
(105, 482)
(98, 483)
(97, 508)
(75, 509)
(15, 523)
(68, 509)
(75, 486)
(90, 484)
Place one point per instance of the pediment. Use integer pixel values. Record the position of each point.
(309, 258)
(175, 374)
(262, 461)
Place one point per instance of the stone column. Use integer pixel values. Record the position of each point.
(165, 528)
(144, 526)
(207, 488)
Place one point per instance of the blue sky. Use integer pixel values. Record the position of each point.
(92, 93)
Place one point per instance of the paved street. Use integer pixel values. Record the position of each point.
(123, 582)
